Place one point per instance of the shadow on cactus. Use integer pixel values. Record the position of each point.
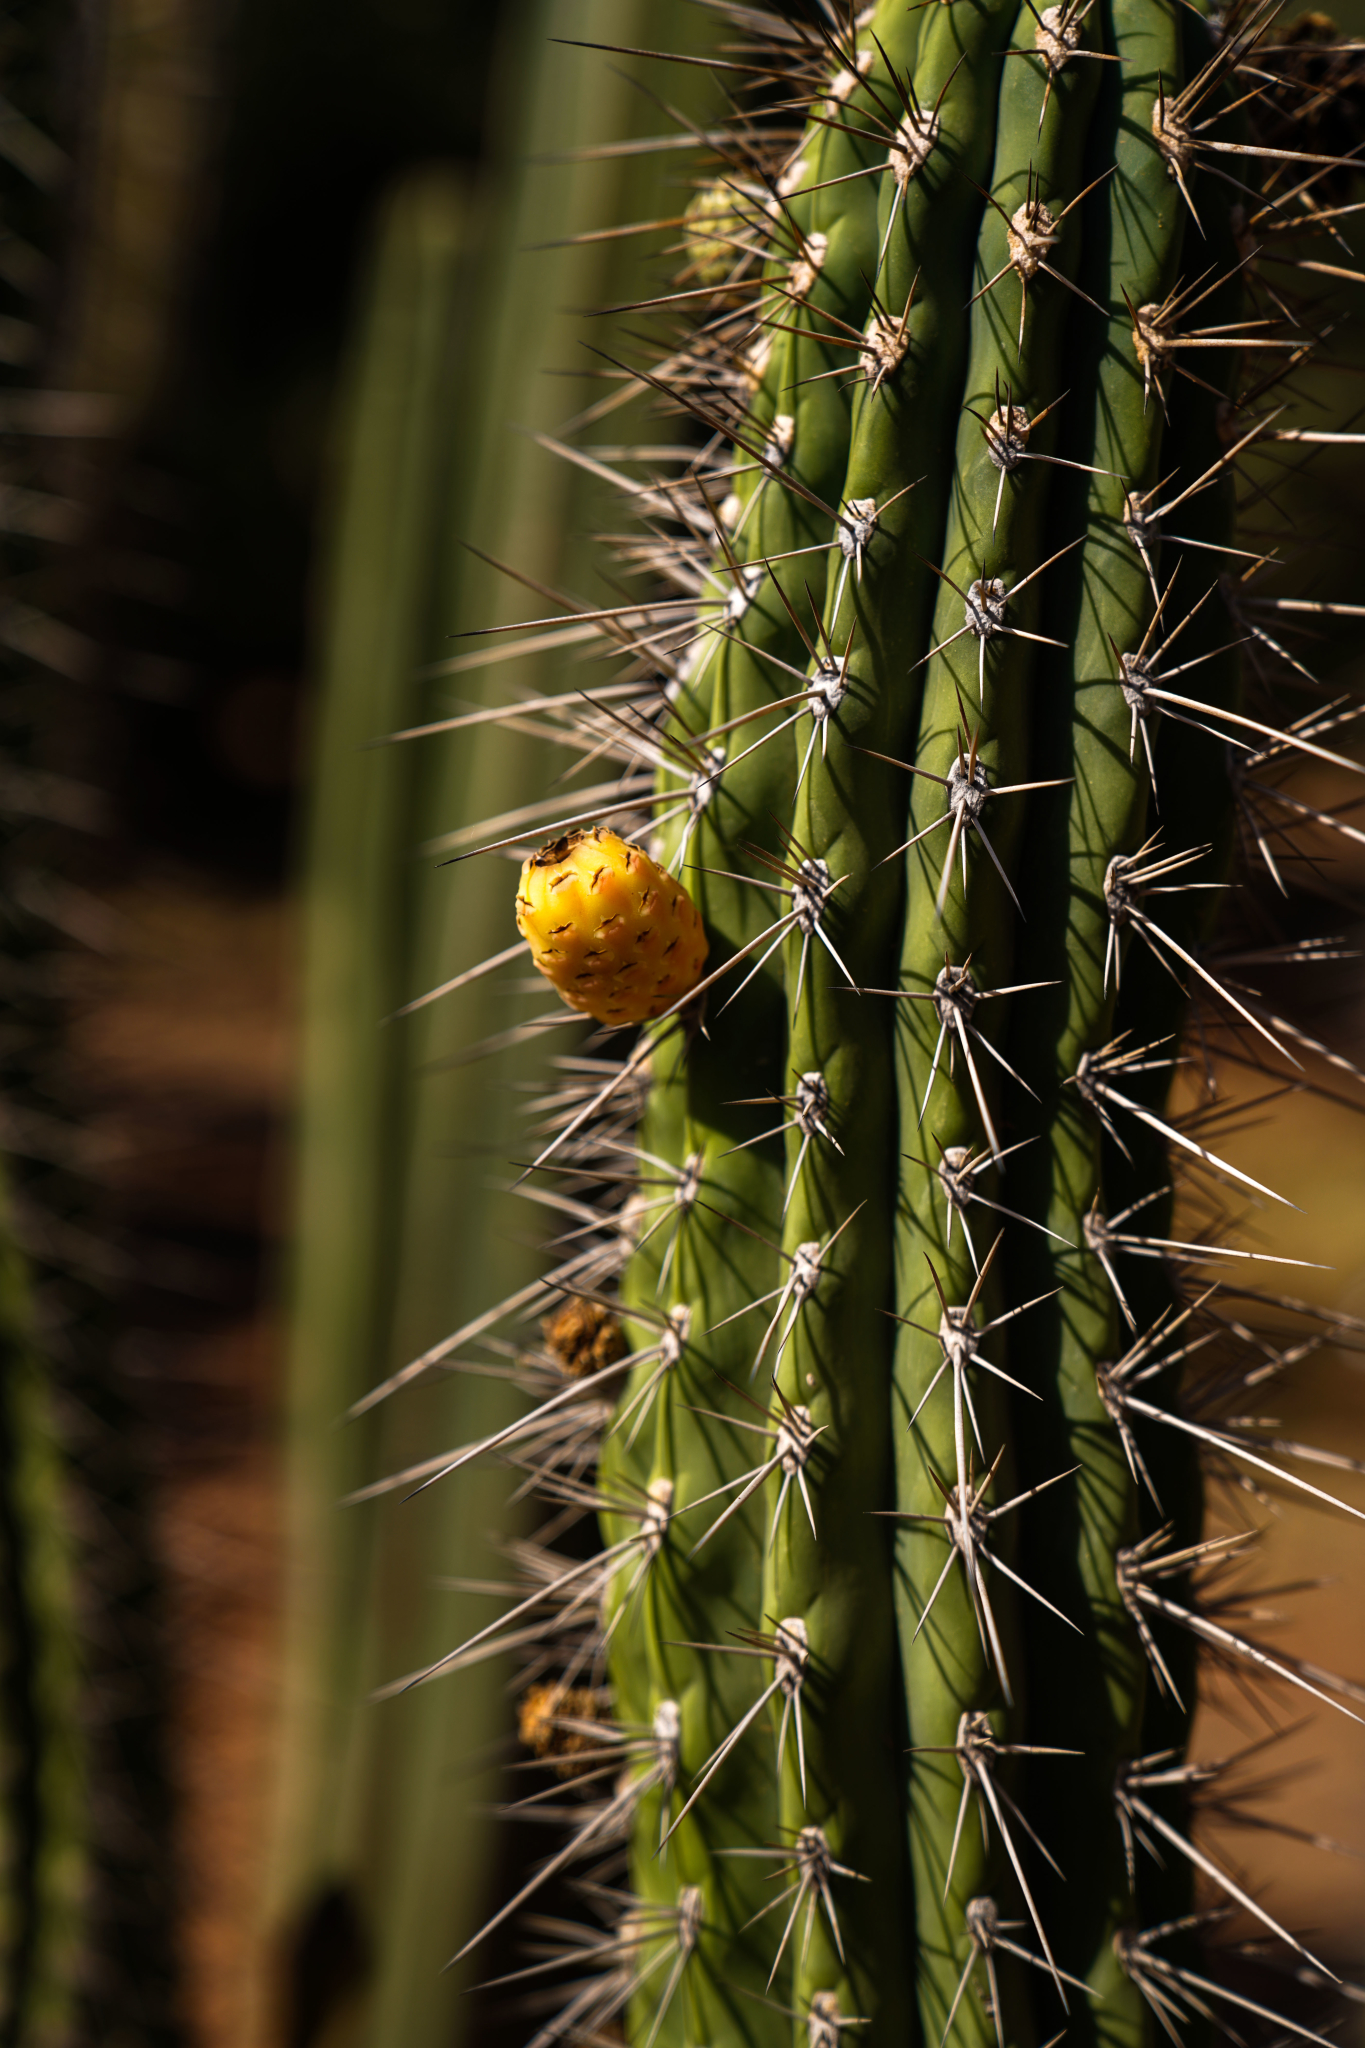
(895, 1324)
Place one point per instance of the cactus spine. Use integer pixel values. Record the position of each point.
(904, 1457)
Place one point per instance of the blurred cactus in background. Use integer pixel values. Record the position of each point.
(384, 1861)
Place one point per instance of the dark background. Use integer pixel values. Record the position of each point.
(195, 257)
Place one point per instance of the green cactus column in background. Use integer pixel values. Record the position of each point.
(382, 1853)
(42, 1798)
(856, 1635)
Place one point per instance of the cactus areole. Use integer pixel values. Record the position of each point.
(935, 740)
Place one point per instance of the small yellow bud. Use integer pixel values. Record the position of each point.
(712, 226)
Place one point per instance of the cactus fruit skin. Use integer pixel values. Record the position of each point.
(890, 1478)
(617, 936)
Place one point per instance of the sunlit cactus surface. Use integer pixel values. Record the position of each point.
(925, 832)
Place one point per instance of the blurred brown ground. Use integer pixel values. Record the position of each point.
(1313, 1151)
(186, 1044)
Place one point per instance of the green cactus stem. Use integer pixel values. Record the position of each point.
(881, 1650)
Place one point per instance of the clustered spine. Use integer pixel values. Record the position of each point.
(899, 1386)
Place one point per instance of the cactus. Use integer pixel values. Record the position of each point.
(885, 1366)
(367, 1895)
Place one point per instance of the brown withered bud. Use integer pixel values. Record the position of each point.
(543, 1715)
(584, 1337)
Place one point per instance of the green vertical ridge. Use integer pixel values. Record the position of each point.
(986, 687)
(720, 1270)
(359, 964)
(1096, 1686)
(42, 1787)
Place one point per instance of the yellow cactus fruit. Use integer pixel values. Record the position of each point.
(618, 937)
